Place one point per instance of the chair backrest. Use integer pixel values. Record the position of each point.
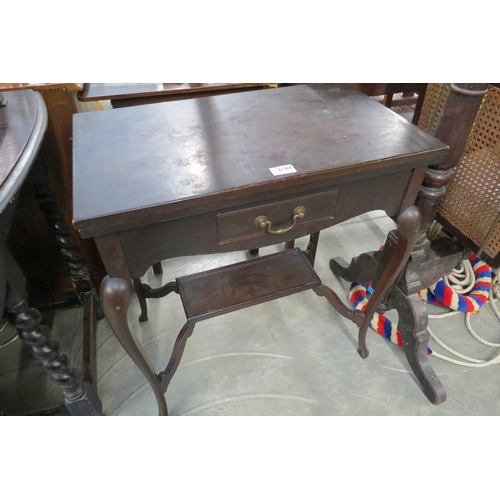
(470, 209)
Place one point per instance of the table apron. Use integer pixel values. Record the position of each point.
(128, 254)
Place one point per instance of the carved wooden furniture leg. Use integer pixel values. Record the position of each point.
(407, 235)
(157, 268)
(80, 396)
(142, 300)
(48, 205)
(116, 294)
(412, 324)
(425, 263)
(79, 272)
(312, 247)
(180, 343)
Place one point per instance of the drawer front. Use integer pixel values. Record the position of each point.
(241, 224)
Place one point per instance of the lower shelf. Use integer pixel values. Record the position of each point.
(229, 288)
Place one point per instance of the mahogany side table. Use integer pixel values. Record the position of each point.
(242, 171)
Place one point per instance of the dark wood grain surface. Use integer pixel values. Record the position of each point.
(156, 158)
(17, 120)
(104, 91)
(229, 288)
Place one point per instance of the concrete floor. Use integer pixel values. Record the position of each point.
(291, 356)
(295, 355)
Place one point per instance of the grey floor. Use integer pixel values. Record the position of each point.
(291, 356)
(295, 355)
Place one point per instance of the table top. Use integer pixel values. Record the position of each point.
(23, 122)
(102, 91)
(152, 159)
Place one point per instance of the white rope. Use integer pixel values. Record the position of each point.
(491, 301)
(472, 362)
(495, 287)
(462, 279)
(443, 315)
(474, 334)
(434, 230)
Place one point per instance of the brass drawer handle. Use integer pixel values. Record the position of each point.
(262, 221)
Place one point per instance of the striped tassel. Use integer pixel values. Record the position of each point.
(440, 294)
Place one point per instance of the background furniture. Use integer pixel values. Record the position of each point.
(133, 94)
(389, 89)
(23, 122)
(49, 280)
(470, 210)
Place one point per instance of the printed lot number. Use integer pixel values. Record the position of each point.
(282, 169)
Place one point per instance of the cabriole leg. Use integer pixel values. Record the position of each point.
(116, 294)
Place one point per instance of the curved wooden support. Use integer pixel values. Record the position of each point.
(146, 292)
(116, 294)
(175, 358)
(156, 293)
(413, 327)
(407, 234)
(356, 316)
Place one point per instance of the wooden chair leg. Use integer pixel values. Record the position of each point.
(157, 269)
(142, 300)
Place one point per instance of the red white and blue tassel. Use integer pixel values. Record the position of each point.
(441, 294)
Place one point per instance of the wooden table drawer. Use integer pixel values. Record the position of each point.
(240, 224)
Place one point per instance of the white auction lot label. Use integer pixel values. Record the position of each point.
(283, 169)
